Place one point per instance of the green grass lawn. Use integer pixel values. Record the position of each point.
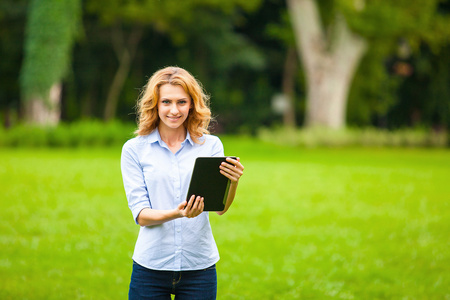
(306, 224)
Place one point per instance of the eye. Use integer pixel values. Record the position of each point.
(165, 101)
(182, 102)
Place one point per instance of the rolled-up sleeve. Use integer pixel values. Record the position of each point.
(133, 181)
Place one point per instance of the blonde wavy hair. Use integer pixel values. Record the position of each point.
(199, 116)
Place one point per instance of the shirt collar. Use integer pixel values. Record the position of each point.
(189, 139)
(154, 137)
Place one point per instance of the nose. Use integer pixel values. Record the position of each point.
(174, 109)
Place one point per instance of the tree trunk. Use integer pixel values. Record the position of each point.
(116, 86)
(290, 68)
(40, 112)
(329, 64)
(125, 51)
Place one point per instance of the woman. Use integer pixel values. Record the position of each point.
(175, 252)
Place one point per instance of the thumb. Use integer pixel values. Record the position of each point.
(182, 205)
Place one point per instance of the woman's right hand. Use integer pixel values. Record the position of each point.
(192, 208)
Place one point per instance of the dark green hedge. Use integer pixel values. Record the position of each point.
(78, 134)
(349, 137)
(100, 134)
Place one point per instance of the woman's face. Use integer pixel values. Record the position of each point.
(173, 106)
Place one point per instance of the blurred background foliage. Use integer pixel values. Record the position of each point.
(239, 49)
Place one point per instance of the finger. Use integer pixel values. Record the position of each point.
(225, 166)
(194, 209)
(182, 208)
(190, 202)
(202, 205)
(233, 170)
(234, 161)
(182, 205)
(233, 164)
(199, 208)
(229, 176)
(196, 203)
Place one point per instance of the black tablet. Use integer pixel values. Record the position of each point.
(208, 183)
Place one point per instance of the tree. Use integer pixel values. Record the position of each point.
(404, 81)
(329, 62)
(282, 31)
(51, 29)
(131, 19)
(12, 20)
(125, 50)
(332, 37)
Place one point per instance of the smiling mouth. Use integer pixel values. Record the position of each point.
(173, 118)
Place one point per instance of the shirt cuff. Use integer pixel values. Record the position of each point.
(136, 210)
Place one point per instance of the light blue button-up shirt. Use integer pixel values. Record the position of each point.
(156, 178)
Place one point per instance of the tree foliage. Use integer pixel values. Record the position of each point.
(50, 31)
(206, 29)
(12, 16)
(404, 37)
(237, 49)
(390, 30)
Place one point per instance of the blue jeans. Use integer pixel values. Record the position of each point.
(153, 284)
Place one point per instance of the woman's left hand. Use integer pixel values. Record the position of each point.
(232, 169)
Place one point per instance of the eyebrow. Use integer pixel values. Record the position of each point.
(164, 98)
